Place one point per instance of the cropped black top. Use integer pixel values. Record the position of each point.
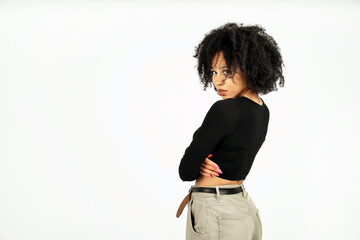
(233, 131)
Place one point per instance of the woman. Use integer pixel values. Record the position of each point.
(241, 62)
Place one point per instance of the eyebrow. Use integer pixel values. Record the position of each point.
(220, 67)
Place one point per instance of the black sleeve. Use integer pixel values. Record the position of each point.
(219, 122)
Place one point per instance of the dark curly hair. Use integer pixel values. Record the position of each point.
(248, 47)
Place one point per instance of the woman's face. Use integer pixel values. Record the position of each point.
(225, 78)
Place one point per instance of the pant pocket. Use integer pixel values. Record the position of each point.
(260, 225)
(191, 233)
(235, 226)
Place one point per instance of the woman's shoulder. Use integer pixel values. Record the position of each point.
(224, 108)
(226, 102)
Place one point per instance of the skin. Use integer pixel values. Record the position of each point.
(233, 83)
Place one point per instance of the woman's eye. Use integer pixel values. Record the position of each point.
(225, 71)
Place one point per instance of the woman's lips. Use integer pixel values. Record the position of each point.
(221, 92)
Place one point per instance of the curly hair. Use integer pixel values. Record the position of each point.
(248, 47)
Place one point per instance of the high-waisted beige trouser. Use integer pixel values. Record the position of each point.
(222, 216)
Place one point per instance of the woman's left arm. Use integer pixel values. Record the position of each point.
(219, 122)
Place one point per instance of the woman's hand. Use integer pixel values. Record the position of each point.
(209, 168)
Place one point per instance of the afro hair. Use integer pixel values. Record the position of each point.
(248, 47)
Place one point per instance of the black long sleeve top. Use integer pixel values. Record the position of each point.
(233, 131)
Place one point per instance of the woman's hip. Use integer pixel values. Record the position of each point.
(221, 212)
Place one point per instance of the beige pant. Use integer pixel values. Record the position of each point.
(223, 217)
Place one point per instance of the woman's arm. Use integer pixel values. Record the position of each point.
(219, 122)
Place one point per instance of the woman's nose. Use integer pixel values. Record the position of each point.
(217, 80)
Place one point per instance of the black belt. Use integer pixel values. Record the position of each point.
(207, 190)
(213, 190)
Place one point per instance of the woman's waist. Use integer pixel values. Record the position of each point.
(203, 181)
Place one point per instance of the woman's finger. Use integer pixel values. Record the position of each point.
(208, 161)
(209, 171)
(210, 166)
(204, 174)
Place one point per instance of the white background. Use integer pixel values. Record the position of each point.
(99, 99)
